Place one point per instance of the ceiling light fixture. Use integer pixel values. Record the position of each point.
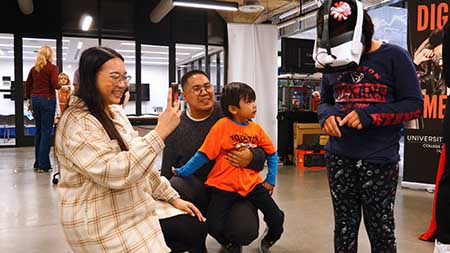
(205, 4)
(86, 22)
(251, 6)
(164, 7)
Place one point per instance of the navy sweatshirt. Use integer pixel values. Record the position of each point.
(385, 92)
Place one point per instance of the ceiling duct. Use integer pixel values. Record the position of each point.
(161, 10)
(25, 6)
(304, 7)
(299, 24)
(251, 6)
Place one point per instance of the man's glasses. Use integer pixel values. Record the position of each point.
(197, 89)
(118, 78)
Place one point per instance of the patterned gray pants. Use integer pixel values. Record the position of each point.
(355, 186)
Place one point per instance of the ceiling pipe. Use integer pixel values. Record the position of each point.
(25, 6)
(161, 10)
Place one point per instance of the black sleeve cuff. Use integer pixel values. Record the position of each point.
(259, 158)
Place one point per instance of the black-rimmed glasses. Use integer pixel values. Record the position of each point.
(197, 88)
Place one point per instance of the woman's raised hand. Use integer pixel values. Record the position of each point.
(169, 119)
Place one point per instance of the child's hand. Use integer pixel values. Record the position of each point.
(174, 171)
(269, 187)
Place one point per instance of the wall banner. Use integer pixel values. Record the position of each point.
(426, 19)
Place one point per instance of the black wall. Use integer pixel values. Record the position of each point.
(43, 22)
(127, 19)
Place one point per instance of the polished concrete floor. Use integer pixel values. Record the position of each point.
(29, 214)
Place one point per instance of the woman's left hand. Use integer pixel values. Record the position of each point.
(189, 208)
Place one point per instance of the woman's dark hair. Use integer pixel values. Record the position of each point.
(232, 93)
(91, 60)
(338, 27)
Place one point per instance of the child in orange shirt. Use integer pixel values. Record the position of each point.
(63, 95)
(228, 183)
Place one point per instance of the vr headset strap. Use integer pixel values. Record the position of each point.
(358, 28)
(325, 31)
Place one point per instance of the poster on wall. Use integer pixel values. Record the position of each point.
(423, 143)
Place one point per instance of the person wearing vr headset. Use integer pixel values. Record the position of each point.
(363, 107)
(442, 244)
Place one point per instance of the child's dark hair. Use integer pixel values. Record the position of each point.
(232, 93)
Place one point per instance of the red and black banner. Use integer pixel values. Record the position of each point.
(423, 143)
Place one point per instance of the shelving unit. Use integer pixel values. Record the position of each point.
(295, 104)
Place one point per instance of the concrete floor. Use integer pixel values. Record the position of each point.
(29, 214)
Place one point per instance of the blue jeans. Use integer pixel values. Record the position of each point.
(44, 114)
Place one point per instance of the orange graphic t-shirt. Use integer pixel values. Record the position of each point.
(227, 135)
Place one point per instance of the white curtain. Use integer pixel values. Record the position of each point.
(252, 52)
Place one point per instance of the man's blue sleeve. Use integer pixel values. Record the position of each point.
(196, 162)
(272, 164)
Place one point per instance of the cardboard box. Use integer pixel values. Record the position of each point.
(302, 132)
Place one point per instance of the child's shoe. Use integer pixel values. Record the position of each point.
(264, 244)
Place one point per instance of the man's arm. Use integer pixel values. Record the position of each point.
(259, 158)
(253, 158)
(169, 156)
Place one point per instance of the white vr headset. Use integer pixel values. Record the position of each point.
(342, 51)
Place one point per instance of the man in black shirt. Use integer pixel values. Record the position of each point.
(186, 139)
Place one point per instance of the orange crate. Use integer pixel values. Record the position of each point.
(309, 159)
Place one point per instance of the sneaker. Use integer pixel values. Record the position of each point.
(264, 245)
(43, 170)
(441, 248)
(232, 248)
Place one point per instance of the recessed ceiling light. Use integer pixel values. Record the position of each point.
(86, 22)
